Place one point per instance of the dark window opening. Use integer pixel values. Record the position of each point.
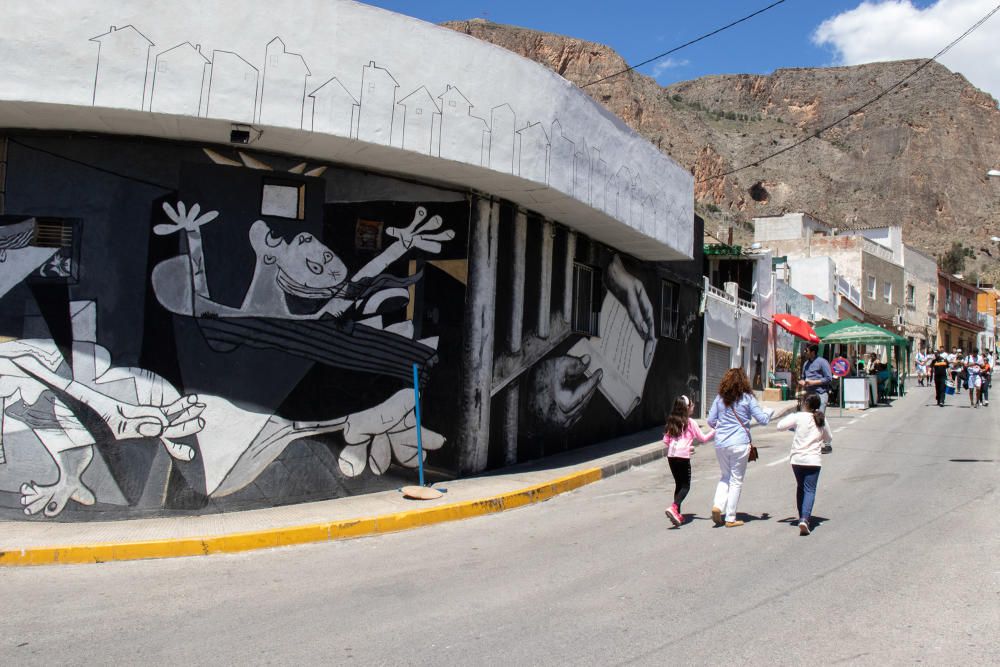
(670, 311)
(586, 299)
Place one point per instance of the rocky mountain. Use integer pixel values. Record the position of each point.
(917, 157)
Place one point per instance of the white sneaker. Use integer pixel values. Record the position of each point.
(803, 528)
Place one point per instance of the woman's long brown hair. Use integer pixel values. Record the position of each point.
(734, 384)
(677, 420)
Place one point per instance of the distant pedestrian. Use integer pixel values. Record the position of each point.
(939, 368)
(921, 365)
(986, 375)
(816, 376)
(730, 416)
(973, 366)
(679, 435)
(811, 434)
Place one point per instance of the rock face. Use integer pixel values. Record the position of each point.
(918, 157)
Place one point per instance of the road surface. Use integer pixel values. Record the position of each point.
(903, 568)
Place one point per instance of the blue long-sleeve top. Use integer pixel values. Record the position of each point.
(728, 430)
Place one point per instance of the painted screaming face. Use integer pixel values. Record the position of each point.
(305, 266)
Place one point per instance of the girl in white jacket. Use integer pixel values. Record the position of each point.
(811, 433)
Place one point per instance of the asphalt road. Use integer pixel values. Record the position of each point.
(904, 568)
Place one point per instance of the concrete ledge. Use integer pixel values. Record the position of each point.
(285, 536)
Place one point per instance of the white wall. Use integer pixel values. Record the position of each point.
(813, 275)
(342, 68)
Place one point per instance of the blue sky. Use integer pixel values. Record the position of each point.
(855, 32)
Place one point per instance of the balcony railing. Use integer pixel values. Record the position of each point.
(849, 291)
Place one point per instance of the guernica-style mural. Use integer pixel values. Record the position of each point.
(186, 328)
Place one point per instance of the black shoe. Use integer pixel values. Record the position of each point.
(826, 449)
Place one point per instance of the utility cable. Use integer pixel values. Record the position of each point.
(684, 45)
(89, 165)
(816, 133)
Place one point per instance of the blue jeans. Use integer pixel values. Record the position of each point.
(806, 478)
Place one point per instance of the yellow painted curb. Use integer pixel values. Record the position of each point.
(278, 537)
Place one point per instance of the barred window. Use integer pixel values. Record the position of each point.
(586, 299)
(670, 313)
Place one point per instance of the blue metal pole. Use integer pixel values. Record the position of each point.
(416, 401)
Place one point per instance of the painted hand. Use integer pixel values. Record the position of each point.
(184, 220)
(560, 390)
(629, 290)
(418, 235)
(50, 500)
(377, 435)
(175, 420)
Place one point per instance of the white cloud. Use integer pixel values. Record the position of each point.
(898, 30)
(662, 66)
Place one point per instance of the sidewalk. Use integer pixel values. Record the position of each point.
(39, 543)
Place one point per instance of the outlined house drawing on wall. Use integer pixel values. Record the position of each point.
(561, 159)
(283, 87)
(464, 137)
(232, 88)
(421, 121)
(334, 109)
(598, 180)
(503, 125)
(377, 105)
(636, 199)
(178, 80)
(581, 173)
(533, 153)
(122, 61)
(618, 199)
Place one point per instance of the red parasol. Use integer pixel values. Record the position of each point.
(796, 326)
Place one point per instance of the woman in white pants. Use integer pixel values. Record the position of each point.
(730, 416)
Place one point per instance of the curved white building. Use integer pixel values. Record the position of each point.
(233, 233)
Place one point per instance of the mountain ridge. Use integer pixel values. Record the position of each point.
(918, 157)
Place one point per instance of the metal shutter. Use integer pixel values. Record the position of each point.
(717, 362)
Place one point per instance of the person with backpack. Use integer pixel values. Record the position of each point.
(811, 435)
(730, 416)
(679, 435)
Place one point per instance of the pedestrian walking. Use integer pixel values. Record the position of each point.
(939, 368)
(973, 366)
(812, 436)
(679, 435)
(730, 416)
(816, 376)
(921, 365)
(986, 375)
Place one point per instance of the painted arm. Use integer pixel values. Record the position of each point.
(191, 223)
(176, 420)
(630, 292)
(417, 235)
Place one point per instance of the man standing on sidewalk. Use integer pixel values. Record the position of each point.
(816, 376)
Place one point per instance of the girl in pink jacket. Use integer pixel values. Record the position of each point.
(679, 435)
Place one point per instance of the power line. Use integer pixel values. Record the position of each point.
(684, 45)
(816, 133)
(89, 165)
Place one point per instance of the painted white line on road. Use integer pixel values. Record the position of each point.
(865, 415)
(778, 462)
(838, 430)
(853, 421)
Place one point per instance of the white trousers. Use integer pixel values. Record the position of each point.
(732, 468)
